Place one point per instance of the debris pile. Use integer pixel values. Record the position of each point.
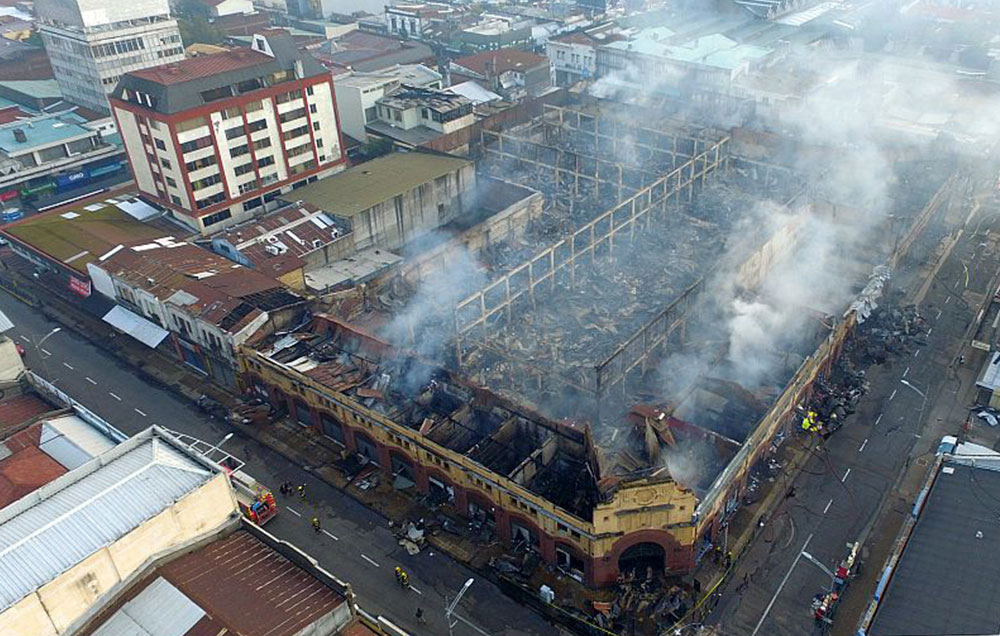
(643, 605)
(890, 329)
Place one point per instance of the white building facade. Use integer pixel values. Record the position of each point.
(216, 148)
(357, 93)
(92, 43)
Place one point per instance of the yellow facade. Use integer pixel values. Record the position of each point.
(658, 506)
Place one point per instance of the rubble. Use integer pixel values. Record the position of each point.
(890, 329)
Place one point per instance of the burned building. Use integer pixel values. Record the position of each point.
(601, 395)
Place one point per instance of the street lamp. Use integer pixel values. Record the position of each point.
(923, 403)
(38, 349)
(449, 610)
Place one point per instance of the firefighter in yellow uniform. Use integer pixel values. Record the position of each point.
(810, 423)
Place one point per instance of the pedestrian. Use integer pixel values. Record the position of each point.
(316, 527)
(283, 489)
(420, 616)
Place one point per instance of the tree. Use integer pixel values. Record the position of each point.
(199, 30)
(195, 25)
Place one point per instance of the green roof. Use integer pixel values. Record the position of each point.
(368, 184)
(83, 238)
(39, 89)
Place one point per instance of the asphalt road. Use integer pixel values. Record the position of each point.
(356, 544)
(842, 486)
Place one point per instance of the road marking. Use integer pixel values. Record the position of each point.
(774, 598)
(24, 338)
(931, 330)
(292, 510)
(370, 561)
(893, 395)
(844, 478)
(90, 380)
(879, 418)
(46, 352)
(916, 353)
(828, 504)
(939, 315)
(416, 590)
(139, 412)
(905, 372)
(946, 301)
(863, 444)
(114, 396)
(67, 365)
(330, 535)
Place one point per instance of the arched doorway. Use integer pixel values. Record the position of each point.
(641, 557)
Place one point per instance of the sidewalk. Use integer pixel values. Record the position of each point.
(302, 446)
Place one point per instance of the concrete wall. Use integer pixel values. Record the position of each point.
(11, 364)
(397, 221)
(53, 608)
(351, 102)
(508, 224)
(129, 129)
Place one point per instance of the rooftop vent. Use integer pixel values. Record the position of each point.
(19, 136)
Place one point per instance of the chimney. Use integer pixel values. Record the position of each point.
(19, 136)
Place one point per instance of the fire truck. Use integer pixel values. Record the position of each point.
(255, 500)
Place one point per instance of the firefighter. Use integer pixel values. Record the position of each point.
(302, 491)
(399, 575)
(315, 522)
(810, 423)
(404, 579)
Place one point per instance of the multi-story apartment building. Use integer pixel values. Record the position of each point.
(92, 43)
(215, 139)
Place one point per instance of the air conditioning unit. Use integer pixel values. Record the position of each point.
(317, 243)
(281, 247)
(272, 250)
(335, 232)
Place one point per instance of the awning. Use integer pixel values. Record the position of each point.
(136, 326)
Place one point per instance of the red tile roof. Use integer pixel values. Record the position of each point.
(11, 114)
(202, 66)
(27, 468)
(501, 60)
(21, 409)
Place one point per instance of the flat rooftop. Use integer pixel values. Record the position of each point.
(947, 579)
(236, 585)
(41, 132)
(82, 234)
(364, 186)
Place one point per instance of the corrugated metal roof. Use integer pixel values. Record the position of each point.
(159, 610)
(72, 442)
(990, 376)
(59, 525)
(145, 331)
